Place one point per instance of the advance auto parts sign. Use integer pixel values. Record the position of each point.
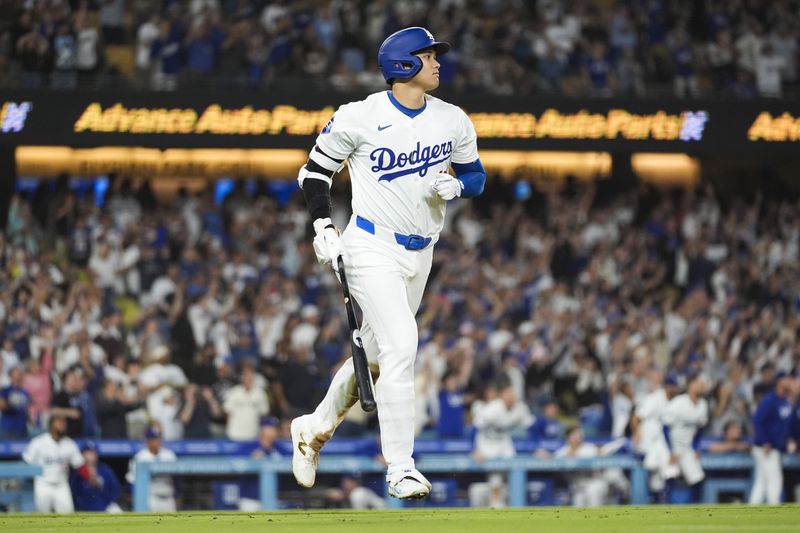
(283, 119)
(286, 119)
(292, 121)
(767, 127)
(615, 124)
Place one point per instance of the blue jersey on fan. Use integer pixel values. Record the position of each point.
(772, 420)
(249, 485)
(89, 497)
(451, 414)
(14, 418)
(546, 428)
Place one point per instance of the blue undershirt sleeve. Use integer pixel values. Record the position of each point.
(472, 176)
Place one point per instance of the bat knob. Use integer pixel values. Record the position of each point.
(368, 405)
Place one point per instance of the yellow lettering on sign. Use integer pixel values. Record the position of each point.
(210, 116)
(289, 120)
(617, 123)
(89, 119)
(774, 129)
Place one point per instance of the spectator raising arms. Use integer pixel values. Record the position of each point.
(593, 47)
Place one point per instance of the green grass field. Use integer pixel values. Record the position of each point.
(556, 519)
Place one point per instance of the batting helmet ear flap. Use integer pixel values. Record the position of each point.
(411, 66)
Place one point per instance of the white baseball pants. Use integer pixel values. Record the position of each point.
(591, 492)
(768, 476)
(387, 281)
(690, 466)
(52, 497)
(160, 504)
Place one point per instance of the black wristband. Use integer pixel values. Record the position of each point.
(318, 198)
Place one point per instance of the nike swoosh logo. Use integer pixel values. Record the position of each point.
(301, 447)
(381, 128)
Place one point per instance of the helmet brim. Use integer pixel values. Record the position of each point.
(440, 47)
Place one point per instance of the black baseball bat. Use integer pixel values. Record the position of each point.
(366, 390)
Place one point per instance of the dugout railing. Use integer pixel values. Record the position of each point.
(517, 469)
(16, 485)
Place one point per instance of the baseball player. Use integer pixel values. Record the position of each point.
(683, 418)
(55, 453)
(771, 423)
(162, 488)
(495, 422)
(648, 434)
(588, 488)
(400, 145)
(101, 490)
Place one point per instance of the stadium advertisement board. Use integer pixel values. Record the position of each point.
(281, 120)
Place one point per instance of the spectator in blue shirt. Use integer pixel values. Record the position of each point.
(451, 407)
(598, 71)
(683, 59)
(202, 48)
(732, 440)
(100, 491)
(771, 423)
(166, 54)
(249, 497)
(14, 403)
(547, 426)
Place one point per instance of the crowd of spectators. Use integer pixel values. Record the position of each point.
(736, 48)
(207, 317)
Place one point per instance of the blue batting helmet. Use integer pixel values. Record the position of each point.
(396, 55)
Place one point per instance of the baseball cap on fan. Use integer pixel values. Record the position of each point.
(271, 422)
(152, 433)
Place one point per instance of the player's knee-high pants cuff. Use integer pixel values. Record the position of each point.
(396, 416)
(341, 396)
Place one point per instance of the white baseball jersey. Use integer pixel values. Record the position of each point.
(161, 486)
(55, 457)
(495, 424)
(586, 450)
(650, 410)
(684, 417)
(392, 158)
(589, 488)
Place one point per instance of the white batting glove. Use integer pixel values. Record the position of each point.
(327, 243)
(446, 186)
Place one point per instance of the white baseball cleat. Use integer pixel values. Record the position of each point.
(408, 485)
(305, 452)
